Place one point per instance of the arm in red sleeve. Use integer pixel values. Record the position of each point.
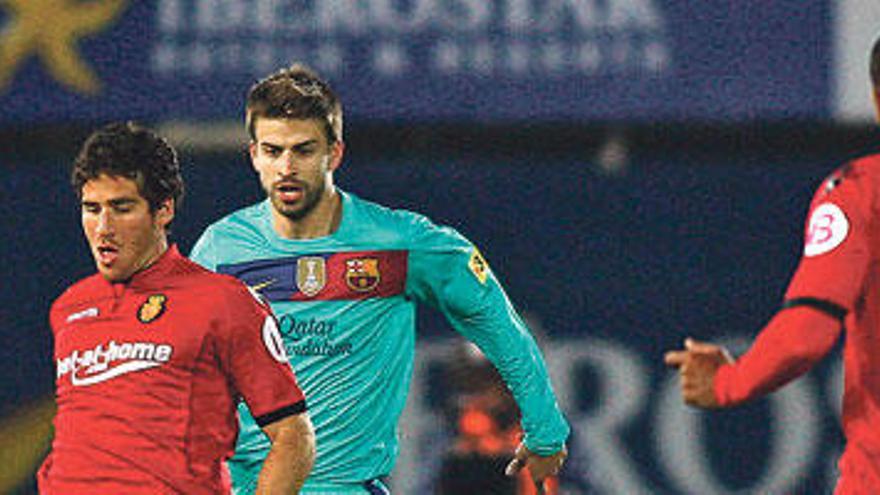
(793, 342)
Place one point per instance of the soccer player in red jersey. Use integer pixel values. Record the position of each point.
(835, 289)
(153, 352)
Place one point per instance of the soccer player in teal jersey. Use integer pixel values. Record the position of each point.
(343, 275)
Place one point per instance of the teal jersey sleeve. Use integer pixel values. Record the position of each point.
(449, 273)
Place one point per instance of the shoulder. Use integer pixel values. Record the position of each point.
(240, 223)
(84, 291)
(223, 296)
(236, 234)
(853, 184)
(868, 163)
(209, 283)
(861, 170)
(400, 223)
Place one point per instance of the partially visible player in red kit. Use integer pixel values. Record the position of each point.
(153, 352)
(835, 289)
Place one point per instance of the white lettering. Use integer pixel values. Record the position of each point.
(170, 16)
(267, 18)
(141, 350)
(86, 313)
(163, 353)
(583, 12)
(484, 58)
(517, 57)
(472, 16)
(591, 37)
(100, 364)
(390, 59)
(619, 399)
(620, 392)
(351, 16)
(268, 15)
(633, 14)
(518, 15)
(386, 16)
(447, 57)
(680, 431)
(220, 16)
(273, 341)
(124, 351)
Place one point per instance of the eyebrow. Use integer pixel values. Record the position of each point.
(112, 202)
(303, 144)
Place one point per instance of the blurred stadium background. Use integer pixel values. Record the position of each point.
(634, 170)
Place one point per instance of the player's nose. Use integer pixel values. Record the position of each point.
(104, 224)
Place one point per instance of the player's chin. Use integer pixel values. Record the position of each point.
(111, 274)
(292, 210)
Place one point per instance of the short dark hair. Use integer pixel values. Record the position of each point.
(875, 64)
(126, 149)
(296, 92)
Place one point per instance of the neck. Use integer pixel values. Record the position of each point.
(320, 221)
(161, 247)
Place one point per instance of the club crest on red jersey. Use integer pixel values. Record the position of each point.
(362, 274)
(311, 275)
(152, 308)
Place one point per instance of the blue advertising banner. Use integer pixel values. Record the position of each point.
(420, 60)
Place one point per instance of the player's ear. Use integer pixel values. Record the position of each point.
(164, 213)
(252, 151)
(876, 93)
(337, 150)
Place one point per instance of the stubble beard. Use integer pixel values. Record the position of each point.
(303, 207)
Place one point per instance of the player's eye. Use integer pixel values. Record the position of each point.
(272, 151)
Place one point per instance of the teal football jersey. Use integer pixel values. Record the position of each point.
(346, 305)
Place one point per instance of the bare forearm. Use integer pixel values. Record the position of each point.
(290, 459)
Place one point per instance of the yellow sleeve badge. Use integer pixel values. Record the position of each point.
(478, 266)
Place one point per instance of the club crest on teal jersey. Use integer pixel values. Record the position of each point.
(311, 275)
(362, 274)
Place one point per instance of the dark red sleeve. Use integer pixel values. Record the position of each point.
(257, 361)
(793, 342)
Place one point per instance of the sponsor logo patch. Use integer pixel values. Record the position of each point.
(262, 285)
(478, 265)
(362, 274)
(103, 363)
(152, 308)
(311, 275)
(86, 313)
(827, 229)
(273, 341)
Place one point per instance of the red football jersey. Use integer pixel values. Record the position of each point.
(841, 265)
(148, 373)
